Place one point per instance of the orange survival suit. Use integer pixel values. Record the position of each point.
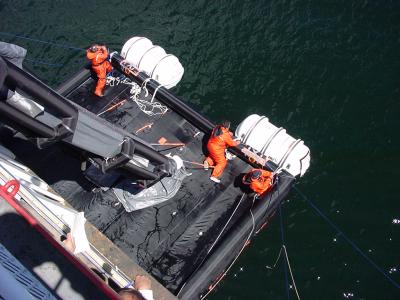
(100, 65)
(259, 180)
(221, 138)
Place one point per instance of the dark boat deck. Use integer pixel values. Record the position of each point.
(172, 239)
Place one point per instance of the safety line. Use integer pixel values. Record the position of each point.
(355, 247)
(223, 229)
(237, 256)
(216, 240)
(276, 261)
(283, 243)
(41, 62)
(41, 41)
(290, 270)
(283, 248)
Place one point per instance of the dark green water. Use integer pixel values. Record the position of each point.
(327, 71)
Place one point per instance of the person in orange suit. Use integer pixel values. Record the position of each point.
(259, 180)
(220, 140)
(100, 65)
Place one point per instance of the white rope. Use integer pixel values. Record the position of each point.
(155, 92)
(241, 250)
(276, 261)
(223, 229)
(237, 256)
(150, 108)
(135, 90)
(115, 80)
(216, 240)
(289, 267)
(144, 86)
(290, 270)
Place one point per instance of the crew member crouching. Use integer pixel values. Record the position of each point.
(100, 65)
(258, 180)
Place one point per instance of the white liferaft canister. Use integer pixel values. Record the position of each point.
(153, 60)
(150, 59)
(168, 69)
(274, 143)
(134, 49)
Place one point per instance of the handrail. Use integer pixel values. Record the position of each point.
(9, 197)
(55, 222)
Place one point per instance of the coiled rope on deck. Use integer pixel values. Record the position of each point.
(151, 108)
(352, 244)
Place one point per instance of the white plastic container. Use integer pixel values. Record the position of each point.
(168, 69)
(153, 60)
(128, 44)
(275, 144)
(134, 49)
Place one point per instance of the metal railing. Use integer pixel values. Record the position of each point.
(25, 194)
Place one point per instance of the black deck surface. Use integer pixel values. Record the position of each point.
(168, 240)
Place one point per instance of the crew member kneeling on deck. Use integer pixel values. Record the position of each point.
(259, 180)
(100, 65)
(220, 140)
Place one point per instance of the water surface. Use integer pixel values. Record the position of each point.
(327, 71)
